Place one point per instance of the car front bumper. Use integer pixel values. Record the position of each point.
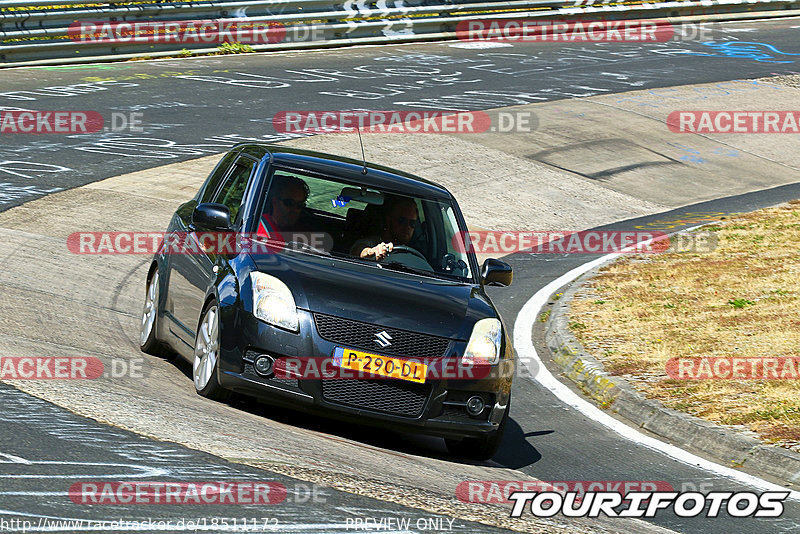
(434, 408)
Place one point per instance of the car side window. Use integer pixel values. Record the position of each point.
(232, 191)
(213, 181)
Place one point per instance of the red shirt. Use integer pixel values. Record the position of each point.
(267, 227)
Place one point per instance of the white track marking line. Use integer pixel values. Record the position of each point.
(11, 459)
(530, 358)
(137, 471)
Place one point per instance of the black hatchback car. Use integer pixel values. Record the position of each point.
(325, 284)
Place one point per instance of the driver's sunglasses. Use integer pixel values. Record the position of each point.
(292, 203)
(407, 222)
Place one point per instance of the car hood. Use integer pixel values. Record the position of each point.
(379, 296)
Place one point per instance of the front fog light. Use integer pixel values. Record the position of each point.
(475, 405)
(485, 343)
(263, 365)
(273, 302)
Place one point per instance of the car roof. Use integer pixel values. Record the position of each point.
(378, 176)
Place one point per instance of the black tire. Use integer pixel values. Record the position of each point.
(482, 448)
(212, 388)
(149, 342)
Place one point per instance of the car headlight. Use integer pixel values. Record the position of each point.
(485, 343)
(273, 302)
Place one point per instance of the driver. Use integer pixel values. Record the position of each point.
(398, 229)
(284, 207)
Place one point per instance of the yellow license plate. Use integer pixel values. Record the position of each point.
(380, 365)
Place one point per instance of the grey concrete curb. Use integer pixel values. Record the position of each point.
(732, 448)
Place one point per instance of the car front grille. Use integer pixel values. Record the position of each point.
(364, 336)
(381, 395)
(455, 413)
(250, 373)
(459, 413)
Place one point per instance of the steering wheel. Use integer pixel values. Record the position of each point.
(409, 250)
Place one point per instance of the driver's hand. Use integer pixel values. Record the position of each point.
(381, 250)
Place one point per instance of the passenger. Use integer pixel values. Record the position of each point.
(398, 229)
(284, 206)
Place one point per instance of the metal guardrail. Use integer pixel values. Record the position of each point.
(34, 32)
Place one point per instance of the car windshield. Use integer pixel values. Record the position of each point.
(313, 215)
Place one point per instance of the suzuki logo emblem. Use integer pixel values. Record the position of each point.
(383, 339)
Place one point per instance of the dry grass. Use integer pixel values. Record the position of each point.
(641, 311)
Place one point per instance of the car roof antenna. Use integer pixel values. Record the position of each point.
(363, 157)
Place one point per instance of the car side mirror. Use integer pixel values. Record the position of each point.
(211, 216)
(496, 273)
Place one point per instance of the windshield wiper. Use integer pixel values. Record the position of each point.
(398, 266)
(279, 244)
(305, 247)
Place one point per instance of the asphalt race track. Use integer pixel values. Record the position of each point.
(198, 107)
(45, 449)
(239, 95)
